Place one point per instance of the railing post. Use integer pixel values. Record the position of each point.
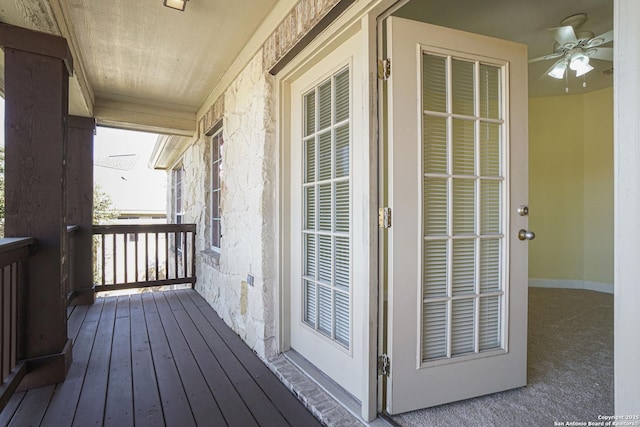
(37, 68)
(79, 169)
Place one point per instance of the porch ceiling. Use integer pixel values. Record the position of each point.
(138, 62)
(143, 66)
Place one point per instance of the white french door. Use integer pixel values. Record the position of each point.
(457, 272)
(325, 303)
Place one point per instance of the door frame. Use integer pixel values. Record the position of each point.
(360, 20)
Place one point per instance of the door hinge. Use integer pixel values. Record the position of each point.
(384, 217)
(384, 69)
(384, 365)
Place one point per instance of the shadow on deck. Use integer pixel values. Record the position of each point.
(153, 359)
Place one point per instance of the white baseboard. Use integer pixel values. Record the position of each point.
(571, 284)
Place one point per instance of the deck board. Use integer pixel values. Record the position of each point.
(157, 359)
(224, 392)
(65, 399)
(259, 404)
(205, 408)
(32, 407)
(175, 403)
(11, 408)
(147, 405)
(90, 409)
(261, 376)
(119, 407)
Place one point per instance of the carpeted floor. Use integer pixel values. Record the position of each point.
(570, 374)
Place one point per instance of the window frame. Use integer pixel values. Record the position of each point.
(178, 203)
(215, 211)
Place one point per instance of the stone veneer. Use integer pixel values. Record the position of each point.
(248, 206)
(247, 111)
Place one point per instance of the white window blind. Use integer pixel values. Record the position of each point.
(326, 241)
(217, 144)
(178, 205)
(463, 283)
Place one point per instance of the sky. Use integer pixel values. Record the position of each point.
(138, 188)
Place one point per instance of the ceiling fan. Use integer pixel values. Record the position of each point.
(576, 48)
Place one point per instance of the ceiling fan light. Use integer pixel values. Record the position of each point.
(583, 70)
(580, 64)
(557, 72)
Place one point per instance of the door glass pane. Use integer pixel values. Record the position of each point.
(326, 245)
(342, 95)
(490, 92)
(310, 206)
(434, 83)
(462, 210)
(435, 206)
(324, 207)
(462, 321)
(463, 147)
(490, 149)
(342, 315)
(342, 263)
(434, 331)
(464, 206)
(342, 207)
(325, 310)
(324, 155)
(435, 269)
(490, 196)
(435, 153)
(324, 105)
(463, 94)
(490, 322)
(310, 160)
(490, 265)
(310, 302)
(310, 256)
(342, 151)
(463, 267)
(324, 252)
(310, 113)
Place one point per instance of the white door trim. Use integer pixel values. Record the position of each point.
(360, 17)
(626, 86)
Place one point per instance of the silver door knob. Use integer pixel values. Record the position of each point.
(526, 235)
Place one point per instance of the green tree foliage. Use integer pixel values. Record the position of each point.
(103, 210)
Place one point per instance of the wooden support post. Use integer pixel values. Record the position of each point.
(37, 69)
(79, 165)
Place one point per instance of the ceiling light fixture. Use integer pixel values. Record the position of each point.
(176, 4)
(580, 64)
(557, 72)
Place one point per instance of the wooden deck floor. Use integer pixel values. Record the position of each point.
(154, 359)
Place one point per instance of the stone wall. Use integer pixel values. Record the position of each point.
(247, 112)
(248, 210)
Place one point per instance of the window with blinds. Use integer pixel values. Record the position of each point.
(217, 144)
(326, 242)
(463, 195)
(178, 204)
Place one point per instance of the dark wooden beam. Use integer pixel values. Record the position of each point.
(37, 68)
(79, 170)
(36, 42)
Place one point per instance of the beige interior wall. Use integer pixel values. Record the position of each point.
(556, 193)
(571, 187)
(598, 186)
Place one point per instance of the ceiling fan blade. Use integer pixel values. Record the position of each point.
(601, 39)
(546, 57)
(564, 35)
(603, 53)
(557, 70)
